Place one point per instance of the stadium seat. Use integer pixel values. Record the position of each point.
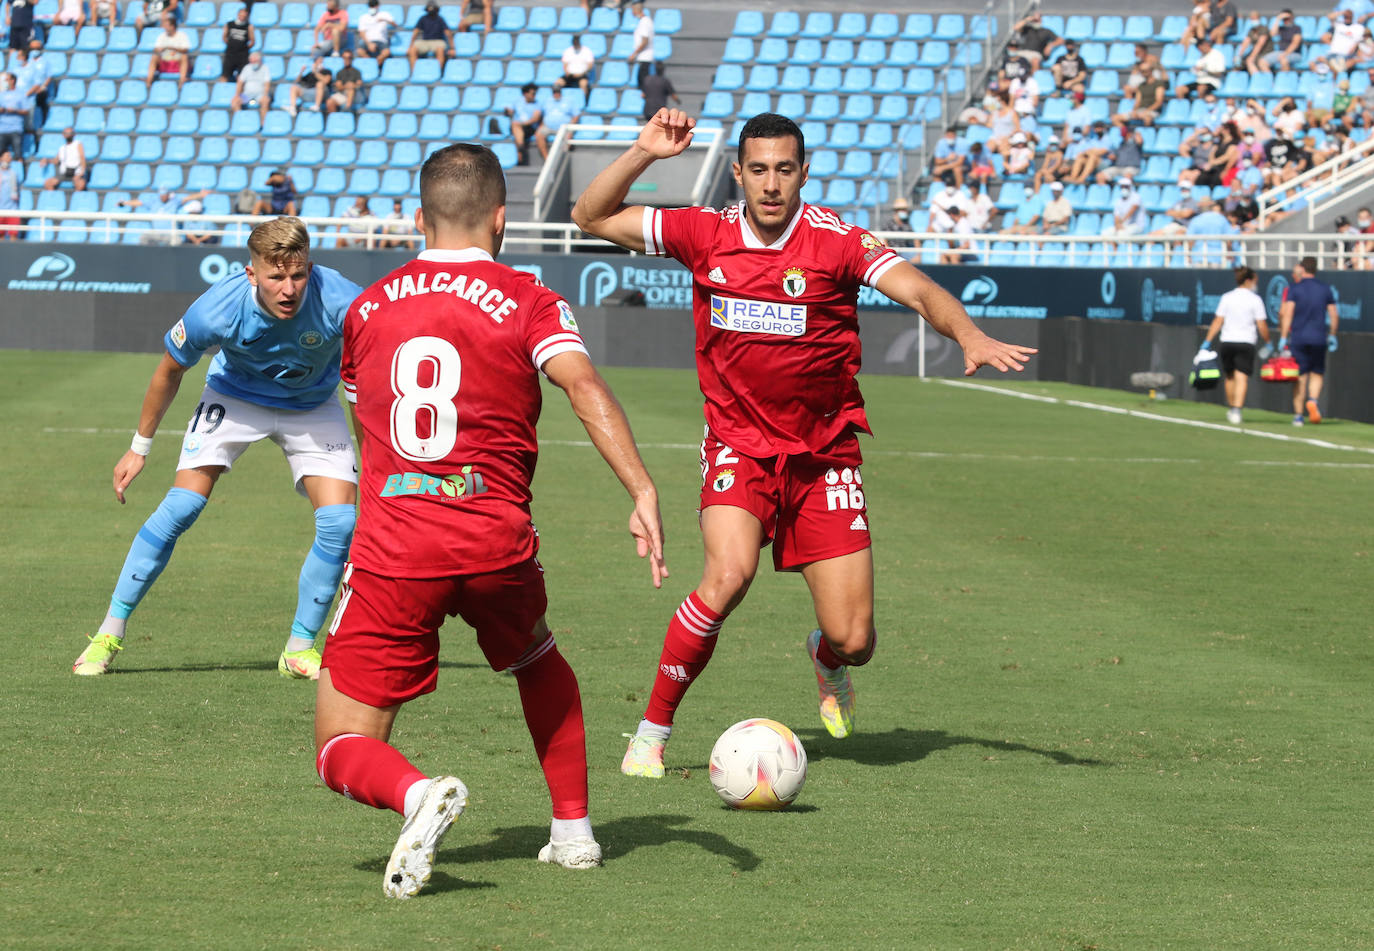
(1079, 27)
(1139, 29)
(402, 125)
(789, 104)
(364, 181)
(851, 26)
(934, 53)
(179, 149)
(950, 26)
(134, 177)
(825, 106)
(717, 105)
(167, 176)
(1109, 27)
(843, 135)
(870, 53)
(877, 136)
(413, 99)
(794, 79)
(748, 23)
(840, 192)
(510, 19)
(541, 20)
(738, 49)
(812, 191)
(383, 98)
(397, 182)
(819, 24)
(263, 15)
(342, 153)
(785, 23)
(116, 148)
(824, 163)
(858, 107)
(728, 77)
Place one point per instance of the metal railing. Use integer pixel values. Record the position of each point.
(1259, 250)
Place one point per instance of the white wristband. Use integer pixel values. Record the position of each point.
(141, 444)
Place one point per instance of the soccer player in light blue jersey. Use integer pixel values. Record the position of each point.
(279, 325)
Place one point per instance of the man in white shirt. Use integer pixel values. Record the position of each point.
(253, 87)
(171, 53)
(374, 32)
(942, 205)
(643, 53)
(1208, 71)
(70, 163)
(1345, 34)
(577, 66)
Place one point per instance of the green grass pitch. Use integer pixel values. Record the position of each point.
(1121, 698)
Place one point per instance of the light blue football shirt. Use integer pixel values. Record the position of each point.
(290, 364)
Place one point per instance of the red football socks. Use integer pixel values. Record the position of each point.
(687, 648)
(368, 770)
(553, 712)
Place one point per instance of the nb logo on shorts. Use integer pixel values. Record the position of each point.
(842, 490)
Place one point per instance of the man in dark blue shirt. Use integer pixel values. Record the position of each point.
(431, 36)
(1307, 325)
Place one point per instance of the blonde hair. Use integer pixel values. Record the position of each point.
(279, 241)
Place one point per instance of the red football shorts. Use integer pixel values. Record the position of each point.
(811, 509)
(383, 647)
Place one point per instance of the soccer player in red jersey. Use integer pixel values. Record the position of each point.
(775, 288)
(441, 364)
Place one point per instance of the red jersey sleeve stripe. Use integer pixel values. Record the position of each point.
(880, 267)
(653, 231)
(550, 347)
(351, 392)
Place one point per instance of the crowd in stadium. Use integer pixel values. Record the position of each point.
(1227, 149)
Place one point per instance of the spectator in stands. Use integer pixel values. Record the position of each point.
(1148, 100)
(1238, 206)
(431, 36)
(578, 61)
(1281, 160)
(163, 231)
(1029, 211)
(1342, 103)
(71, 13)
(980, 208)
(1250, 175)
(477, 13)
(960, 248)
(349, 92)
(331, 32)
(1052, 166)
(360, 225)
(14, 110)
(1036, 40)
(1088, 157)
(642, 55)
(1258, 43)
(105, 12)
(10, 229)
(1321, 94)
(1208, 221)
(947, 158)
(945, 198)
(239, 40)
(171, 53)
(1079, 117)
(900, 217)
(1146, 65)
(558, 112)
(196, 233)
(1343, 39)
(1289, 120)
(657, 91)
(1180, 212)
(1250, 118)
(154, 10)
(1058, 214)
(1363, 250)
(69, 164)
(979, 167)
(1222, 20)
(246, 201)
(1319, 153)
(1197, 24)
(981, 114)
(1019, 159)
(1208, 71)
(1126, 158)
(1128, 212)
(400, 229)
(525, 117)
(315, 79)
(282, 195)
(33, 77)
(375, 28)
(1004, 123)
(19, 20)
(1249, 148)
(253, 86)
(1015, 63)
(1070, 71)
(1025, 95)
(1285, 49)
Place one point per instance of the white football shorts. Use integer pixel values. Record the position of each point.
(316, 441)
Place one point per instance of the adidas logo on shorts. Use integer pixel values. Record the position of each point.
(858, 525)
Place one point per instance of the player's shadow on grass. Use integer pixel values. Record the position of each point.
(911, 746)
(618, 838)
(439, 881)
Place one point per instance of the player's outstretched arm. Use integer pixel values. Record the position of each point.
(606, 424)
(601, 210)
(907, 285)
(162, 389)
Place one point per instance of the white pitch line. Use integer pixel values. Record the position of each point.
(1159, 418)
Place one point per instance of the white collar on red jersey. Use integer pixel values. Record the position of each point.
(751, 240)
(454, 255)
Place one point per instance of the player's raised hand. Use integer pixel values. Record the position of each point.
(667, 134)
(646, 525)
(987, 352)
(126, 470)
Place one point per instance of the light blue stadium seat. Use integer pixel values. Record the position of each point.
(632, 102)
(1104, 82)
(397, 182)
(116, 148)
(510, 19)
(151, 121)
(857, 79)
(717, 105)
(934, 53)
(877, 136)
(404, 155)
(135, 177)
(1094, 54)
(232, 178)
(969, 54)
(819, 24)
(614, 73)
(950, 27)
(825, 106)
(812, 191)
(167, 176)
(275, 152)
(843, 135)
(728, 77)
(245, 122)
(373, 153)
(212, 151)
(824, 163)
(755, 103)
(1120, 55)
(826, 79)
(402, 125)
(395, 70)
(364, 181)
(1079, 27)
(918, 26)
(785, 23)
(82, 66)
(748, 23)
(574, 20)
(245, 151)
(329, 181)
(919, 81)
(794, 79)
(413, 99)
(1139, 28)
(497, 45)
(121, 39)
(838, 53)
(789, 104)
(541, 20)
(201, 176)
(858, 107)
(147, 148)
(114, 66)
(762, 79)
(384, 98)
(179, 149)
(738, 49)
(465, 128)
(519, 72)
(528, 46)
(891, 108)
(870, 53)
(1109, 27)
(840, 192)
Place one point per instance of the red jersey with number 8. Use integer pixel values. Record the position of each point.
(777, 326)
(441, 362)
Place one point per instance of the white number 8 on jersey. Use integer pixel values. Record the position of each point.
(417, 403)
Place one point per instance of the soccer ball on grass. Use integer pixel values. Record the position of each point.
(758, 764)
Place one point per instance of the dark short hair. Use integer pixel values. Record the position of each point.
(770, 125)
(462, 184)
(1309, 264)
(1243, 275)
(529, 87)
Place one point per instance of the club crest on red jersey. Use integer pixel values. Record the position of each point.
(794, 282)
